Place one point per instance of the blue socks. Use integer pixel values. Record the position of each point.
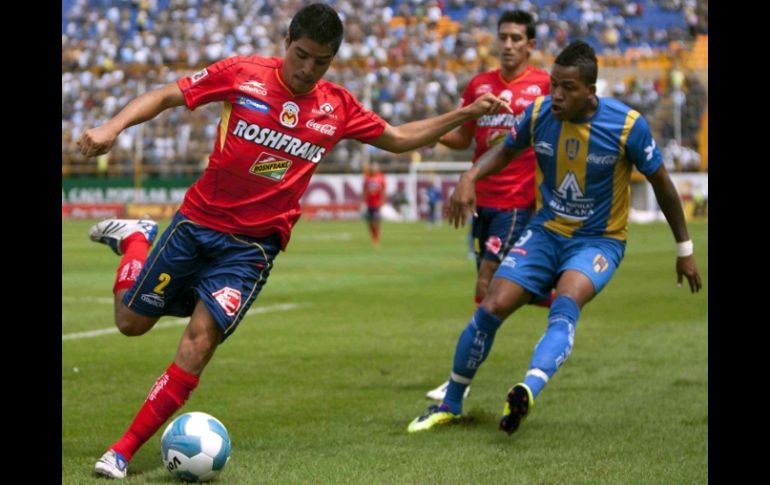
(473, 347)
(476, 340)
(555, 345)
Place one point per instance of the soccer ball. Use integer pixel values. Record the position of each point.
(195, 447)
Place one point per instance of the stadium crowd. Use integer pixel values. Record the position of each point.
(406, 59)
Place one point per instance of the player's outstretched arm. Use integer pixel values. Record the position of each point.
(416, 134)
(99, 140)
(458, 139)
(669, 203)
(463, 199)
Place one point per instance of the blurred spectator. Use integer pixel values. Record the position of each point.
(680, 159)
(406, 59)
(399, 201)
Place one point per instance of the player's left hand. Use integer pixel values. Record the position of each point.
(686, 267)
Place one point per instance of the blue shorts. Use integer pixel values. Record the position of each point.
(433, 215)
(495, 230)
(373, 214)
(226, 271)
(540, 256)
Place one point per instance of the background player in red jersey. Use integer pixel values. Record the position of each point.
(374, 195)
(278, 120)
(504, 200)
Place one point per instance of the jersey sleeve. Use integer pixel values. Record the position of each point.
(641, 148)
(520, 134)
(362, 124)
(211, 83)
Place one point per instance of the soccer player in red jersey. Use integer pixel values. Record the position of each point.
(505, 200)
(279, 119)
(374, 195)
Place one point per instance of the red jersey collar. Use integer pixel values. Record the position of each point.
(285, 85)
(521, 75)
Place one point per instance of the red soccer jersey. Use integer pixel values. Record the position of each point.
(514, 186)
(268, 144)
(374, 190)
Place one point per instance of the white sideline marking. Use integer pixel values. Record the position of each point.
(88, 299)
(177, 321)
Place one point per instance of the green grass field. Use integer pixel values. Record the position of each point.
(319, 383)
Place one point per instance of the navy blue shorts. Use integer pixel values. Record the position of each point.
(373, 214)
(541, 255)
(495, 230)
(226, 271)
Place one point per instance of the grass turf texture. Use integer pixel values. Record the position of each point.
(319, 388)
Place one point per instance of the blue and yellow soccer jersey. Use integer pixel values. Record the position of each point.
(584, 169)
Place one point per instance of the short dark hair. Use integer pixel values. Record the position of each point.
(319, 23)
(519, 17)
(582, 55)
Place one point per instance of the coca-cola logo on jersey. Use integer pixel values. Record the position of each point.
(324, 129)
(523, 102)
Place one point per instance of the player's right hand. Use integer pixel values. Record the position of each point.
(462, 202)
(96, 141)
(686, 268)
(489, 104)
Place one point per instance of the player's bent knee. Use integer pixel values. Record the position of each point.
(132, 324)
(131, 328)
(498, 305)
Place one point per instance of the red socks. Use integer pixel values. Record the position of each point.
(169, 393)
(135, 248)
(476, 302)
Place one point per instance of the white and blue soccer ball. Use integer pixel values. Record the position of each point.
(195, 447)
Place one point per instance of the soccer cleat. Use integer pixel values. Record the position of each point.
(517, 406)
(435, 416)
(112, 464)
(113, 231)
(438, 393)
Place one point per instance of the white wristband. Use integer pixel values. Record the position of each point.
(684, 249)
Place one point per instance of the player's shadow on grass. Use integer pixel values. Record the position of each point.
(147, 465)
(477, 416)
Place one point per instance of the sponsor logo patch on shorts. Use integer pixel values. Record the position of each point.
(600, 263)
(229, 299)
(493, 244)
(153, 299)
(509, 261)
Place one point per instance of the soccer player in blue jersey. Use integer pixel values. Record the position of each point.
(586, 147)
